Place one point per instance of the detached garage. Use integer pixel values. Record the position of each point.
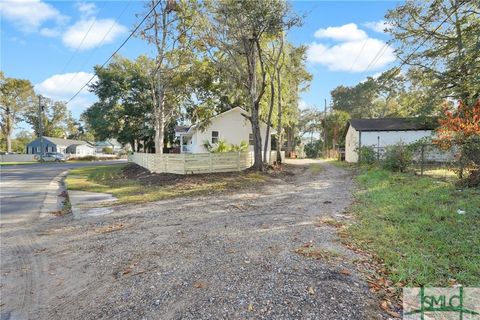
(381, 133)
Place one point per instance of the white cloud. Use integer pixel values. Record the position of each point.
(49, 32)
(63, 86)
(347, 32)
(378, 26)
(353, 53)
(302, 105)
(103, 31)
(86, 8)
(29, 15)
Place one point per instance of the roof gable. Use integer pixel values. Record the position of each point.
(64, 142)
(392, 124)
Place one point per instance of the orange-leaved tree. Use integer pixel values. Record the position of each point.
(462, 128)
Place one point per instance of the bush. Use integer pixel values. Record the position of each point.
(367, 155)
(107, 150)
(470, 158)
(312, 149)
(397, 157)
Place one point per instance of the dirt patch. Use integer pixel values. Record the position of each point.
(135, 172)
(216, 256)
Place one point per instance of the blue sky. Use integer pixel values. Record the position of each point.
(45, 42)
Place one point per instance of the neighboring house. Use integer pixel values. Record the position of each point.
(81, 149)
(60, 145)
(381, 133)
(230, 126)
(109, 143)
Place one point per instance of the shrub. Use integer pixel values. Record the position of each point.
(470, 158)
(367, 155)
(107, 150)
(312, 149)
(397, 157)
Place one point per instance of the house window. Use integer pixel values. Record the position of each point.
(250, 139)
(214, 136)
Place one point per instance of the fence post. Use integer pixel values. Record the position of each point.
(422, 159)
(378, 149)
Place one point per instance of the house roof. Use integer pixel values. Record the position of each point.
(392, 124)
(64, 142)
(108, 142)
(182, 129)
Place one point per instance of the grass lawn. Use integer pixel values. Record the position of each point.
(412, 224)
(17, 163)
(110, 179)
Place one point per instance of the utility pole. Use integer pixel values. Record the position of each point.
(325, 131)
(40, 125)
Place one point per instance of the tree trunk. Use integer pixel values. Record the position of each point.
(254, 118)
(159, 122)
(269, 120)
(8, 130)
(279, 124)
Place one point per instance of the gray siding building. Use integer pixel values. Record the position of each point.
(60, 145)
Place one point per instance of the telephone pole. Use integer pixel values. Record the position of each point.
(40, 125)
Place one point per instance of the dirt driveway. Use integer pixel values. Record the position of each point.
(258, 254)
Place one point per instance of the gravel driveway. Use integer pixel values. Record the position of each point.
(257, 254)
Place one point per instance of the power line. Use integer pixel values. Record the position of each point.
(101, 41)
(423, 42)
(84, 37)
(116, 51)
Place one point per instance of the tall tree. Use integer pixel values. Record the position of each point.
(55, 118)
(15, 96)
(240, 28)
(123, 110)
(169, 28)
(441, 39)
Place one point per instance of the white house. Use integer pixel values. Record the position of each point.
(380, 133)
(230, 126)
(109, 143)
(81, 150)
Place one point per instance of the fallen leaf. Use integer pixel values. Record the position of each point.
(345, 272)
(199, 284)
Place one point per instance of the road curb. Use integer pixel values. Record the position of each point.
(53, 201)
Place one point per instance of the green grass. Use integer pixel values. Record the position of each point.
(412, 224)
(17, 163)
(109, 179)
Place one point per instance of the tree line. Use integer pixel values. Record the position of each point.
(19, 103)
(437, 44)
(208, 57)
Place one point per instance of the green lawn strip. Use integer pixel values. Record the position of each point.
(17, 163)
(412, 224)
(109, 179)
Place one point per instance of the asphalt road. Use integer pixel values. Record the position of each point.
(23, 188)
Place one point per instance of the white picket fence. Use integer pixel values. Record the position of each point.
(190, 163)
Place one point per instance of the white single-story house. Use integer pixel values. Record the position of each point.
(61, 146)
(381, 133)
(81, 149)
(109, 143)
(230, 126)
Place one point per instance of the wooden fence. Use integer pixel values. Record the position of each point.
(190, 163)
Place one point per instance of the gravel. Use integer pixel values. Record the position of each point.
(226, 256)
